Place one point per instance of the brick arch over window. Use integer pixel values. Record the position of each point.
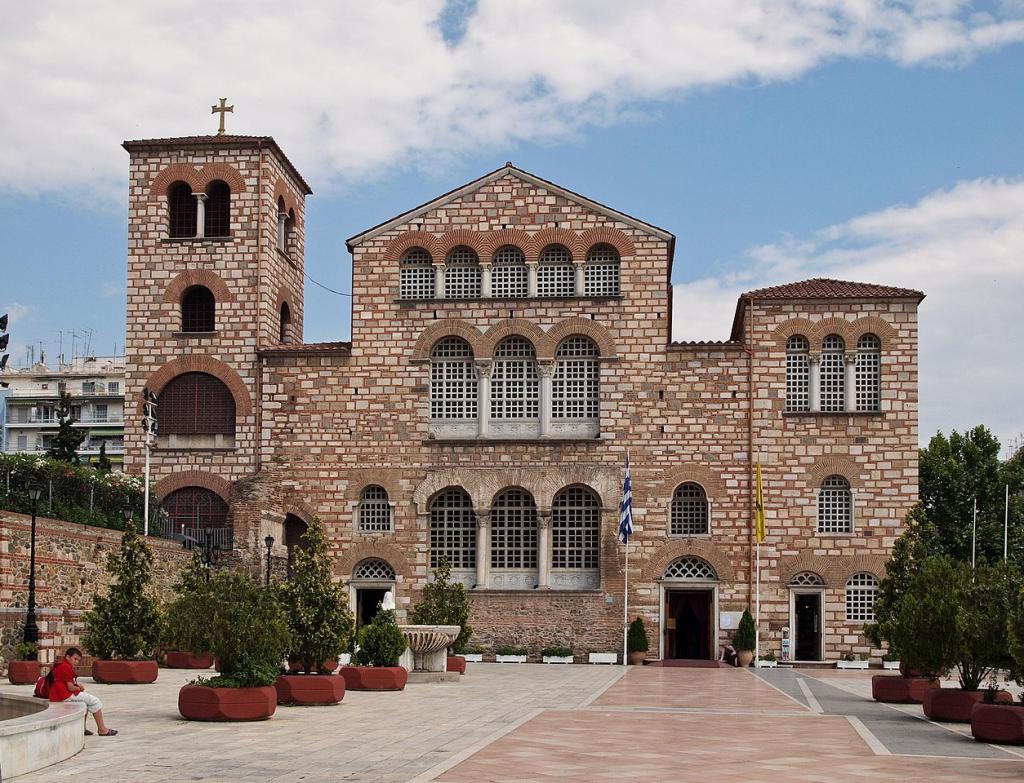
(447, 327)
(828, 568)
(197, 362)
(515, 326)
(203, 277)
(299, 508)
(397, 246)
(586, 328)
(463, 236)
(284, 193)
(705, 550)
(506, 236)
(358, 480)
(855, 564)
(608, 236)
(835, 465)
(792, 327)
(212, 172)
(176, 172)
(556, 236)
(697, 474)
(829, 326)
(193, 478)
(372, 549)
(872, 324)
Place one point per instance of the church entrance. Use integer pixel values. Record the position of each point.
(368, 600)
(807, 614)
(688, 630)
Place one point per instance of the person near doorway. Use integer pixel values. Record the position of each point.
(65, 687)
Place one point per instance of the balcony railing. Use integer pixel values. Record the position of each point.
(85, 421)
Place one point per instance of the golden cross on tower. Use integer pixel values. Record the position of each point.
(222, 110)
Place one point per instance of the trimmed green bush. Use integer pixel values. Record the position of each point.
(745, 636)
(180, 632)
(510, 649)
(381, 643)
(445, 602)
(636, 639)
(557, 652)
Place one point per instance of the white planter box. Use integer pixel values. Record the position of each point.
(473, 657)
(852, 664)
(344, 659)
(608, 657)
(557, 659)
(510, 658)
(891, 665)
(767, 664)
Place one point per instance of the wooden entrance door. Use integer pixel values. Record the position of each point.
(688, 624)
(808, 626)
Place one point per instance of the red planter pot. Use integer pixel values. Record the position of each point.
(374, 678)
(187, 660)
(900, 690)
(954, 705)
(23, 672)
(310, 689)
(125, 672)
(1003, 724)
(456, 663)
(196, 702)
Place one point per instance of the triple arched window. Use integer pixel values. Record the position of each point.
(835, 381)
(198, 309)
(199, 214)
(835, 506)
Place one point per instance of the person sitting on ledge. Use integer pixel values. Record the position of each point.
(65, 687)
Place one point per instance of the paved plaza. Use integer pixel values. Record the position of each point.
(547, 723)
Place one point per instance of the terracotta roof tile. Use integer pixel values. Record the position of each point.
(305, 349)
(826, 288)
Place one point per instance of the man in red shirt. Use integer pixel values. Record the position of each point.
(65, 687)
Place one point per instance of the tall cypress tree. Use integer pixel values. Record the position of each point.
(68, 439)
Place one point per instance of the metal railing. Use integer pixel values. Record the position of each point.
(191, 537)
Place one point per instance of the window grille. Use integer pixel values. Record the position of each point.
(689, 515)
(575, 384)
(198, 310)
(374, 509)
(601, 274)
(513, 530)
(114, 387)
(833, 374)
(453, 382)
(555, 273)
(453, 530)
(690, 568)
(195, 507)
(196, 404)
(462, 274)
(509, 275)
(416, 275)
(218, 210)
(515, 390)
(806, 579)
(861, 592)
(575, 529)
(374, 569)
(798, 374)
(835, 506)
(868, 372)
(181, 206)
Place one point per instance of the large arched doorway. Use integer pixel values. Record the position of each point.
(690, 595)
(294, 529)
(371, 579)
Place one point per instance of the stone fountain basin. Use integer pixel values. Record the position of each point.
(429, 638)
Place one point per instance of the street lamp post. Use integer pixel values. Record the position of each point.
(31, 629)
(126, 512)
(269, 542)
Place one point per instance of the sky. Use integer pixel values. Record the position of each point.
(777, 139)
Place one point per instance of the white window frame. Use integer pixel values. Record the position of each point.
(864, 596)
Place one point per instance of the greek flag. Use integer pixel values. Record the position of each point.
(626, 508)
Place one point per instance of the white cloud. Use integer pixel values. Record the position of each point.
(963, 247)
(351, 87)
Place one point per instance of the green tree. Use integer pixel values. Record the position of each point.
(636, 638)
(103, 464)
(125, 623)
(180, 632)
(319, 620)
(381, 643)
(745, 636)
(445, 602)
(68, 440)
(1015, 645)
(983, 622)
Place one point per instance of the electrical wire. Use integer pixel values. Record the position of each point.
(316, 282)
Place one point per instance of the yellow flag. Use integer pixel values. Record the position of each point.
(759, 506)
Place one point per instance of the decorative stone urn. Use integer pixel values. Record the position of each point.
(428, 646)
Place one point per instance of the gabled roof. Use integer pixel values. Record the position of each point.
(487, 179)
(225, 140)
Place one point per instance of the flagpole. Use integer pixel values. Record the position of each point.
(625, 593)
(757, 610)
(974, 534)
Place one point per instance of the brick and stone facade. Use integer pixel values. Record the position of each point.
(317, 424)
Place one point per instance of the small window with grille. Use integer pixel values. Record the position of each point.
(462, 274)
(198, 310)
(416, 273)
(868, 373)
(601, 274)
(514, 386)
(861, 592)
(453, 381)
(798, 374)
(509, 275)
(575, 383)
(556, 275)
(513, 530)
(181, 207)
(835, 506)
(575, 529)
(374, 510)
(833, 374)
(690, 511)
(218, 210)
(453, 530)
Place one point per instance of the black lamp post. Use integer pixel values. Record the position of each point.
(126, 512)
(269, 542)
(211, 550)
(31, 629)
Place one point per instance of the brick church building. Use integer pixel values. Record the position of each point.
(511, 341)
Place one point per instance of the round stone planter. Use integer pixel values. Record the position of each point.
(456, 663)
(187, 660)
(310, 690)
(999, 723)
(23, 672)
(374, 678)
(900, 690)
(196, 702)
(125, 672)
(953, 705)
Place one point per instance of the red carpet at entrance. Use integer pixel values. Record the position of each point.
(690, 663)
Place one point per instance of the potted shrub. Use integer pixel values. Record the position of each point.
(186, 644)
(474, 654)
(636, 642)
(445, 602)
(510, 653)
(123, 627)
(557, 655)
(595, 656)
(319, 625)
(24, 669)
(380, 645)
(248, 634)
(744, 639)
(1004, 723)
(768, 661)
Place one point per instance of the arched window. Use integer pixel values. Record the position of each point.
(462, 274)
(513, 530)
(195, 508)
(868, 373)
(374, 509)
(691, 568)
(282, 221)
(601, 274)
(806, 579)
(833, 374)
(285, 324)
(196, 404)
(798, 374)
(181, 206)
(575, 384)
(453, 530)
(453, 383)
(861, 592)
(289, 231)
(514, 386)
(690, 511)
(198, 309)
(416, 273)
(373, 570)
(509, 276)
(835, 506)
(575, 529)
(218, 209)
(555, 273)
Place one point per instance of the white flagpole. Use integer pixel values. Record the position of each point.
(974, 534)
(625, 589)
